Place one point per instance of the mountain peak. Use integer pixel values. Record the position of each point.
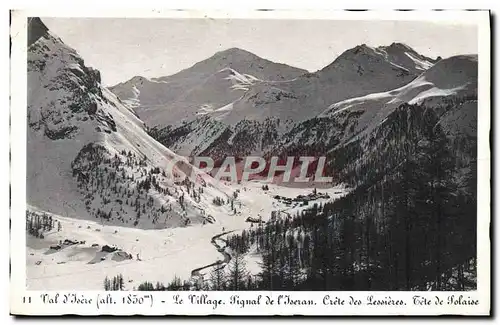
(363, 48)
(233, 52)
(362, 59)
(402, 46)
(138, 79)
(352, 54)
(404, 55)
(36, 29)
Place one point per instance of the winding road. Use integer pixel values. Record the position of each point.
(195, 274)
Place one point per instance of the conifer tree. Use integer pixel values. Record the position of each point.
(237, 272)
(217, 278)
(107, 284)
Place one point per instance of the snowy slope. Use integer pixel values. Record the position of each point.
(449, 87)
(83, 266)
(451, 78)
(90, 157)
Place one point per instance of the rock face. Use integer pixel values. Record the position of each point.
(108, 249)
(36, 29)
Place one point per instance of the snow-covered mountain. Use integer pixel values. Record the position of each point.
(208, 86)
(252, 114)
(359, 71)
(90, 157)
(351, 131)
(405, 56)
(451, 79)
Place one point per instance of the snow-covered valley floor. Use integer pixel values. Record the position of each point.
(163, 254)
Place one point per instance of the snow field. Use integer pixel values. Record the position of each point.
(163, 253)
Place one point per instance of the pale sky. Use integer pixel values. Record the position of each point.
(122, 48)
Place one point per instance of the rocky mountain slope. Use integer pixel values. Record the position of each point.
(89, 156)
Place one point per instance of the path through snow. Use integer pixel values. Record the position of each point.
(196, 275)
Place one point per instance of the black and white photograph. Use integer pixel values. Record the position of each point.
(249, 154)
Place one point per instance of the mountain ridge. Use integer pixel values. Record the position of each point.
(268, 110)
(225, 58)
(233, 78)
